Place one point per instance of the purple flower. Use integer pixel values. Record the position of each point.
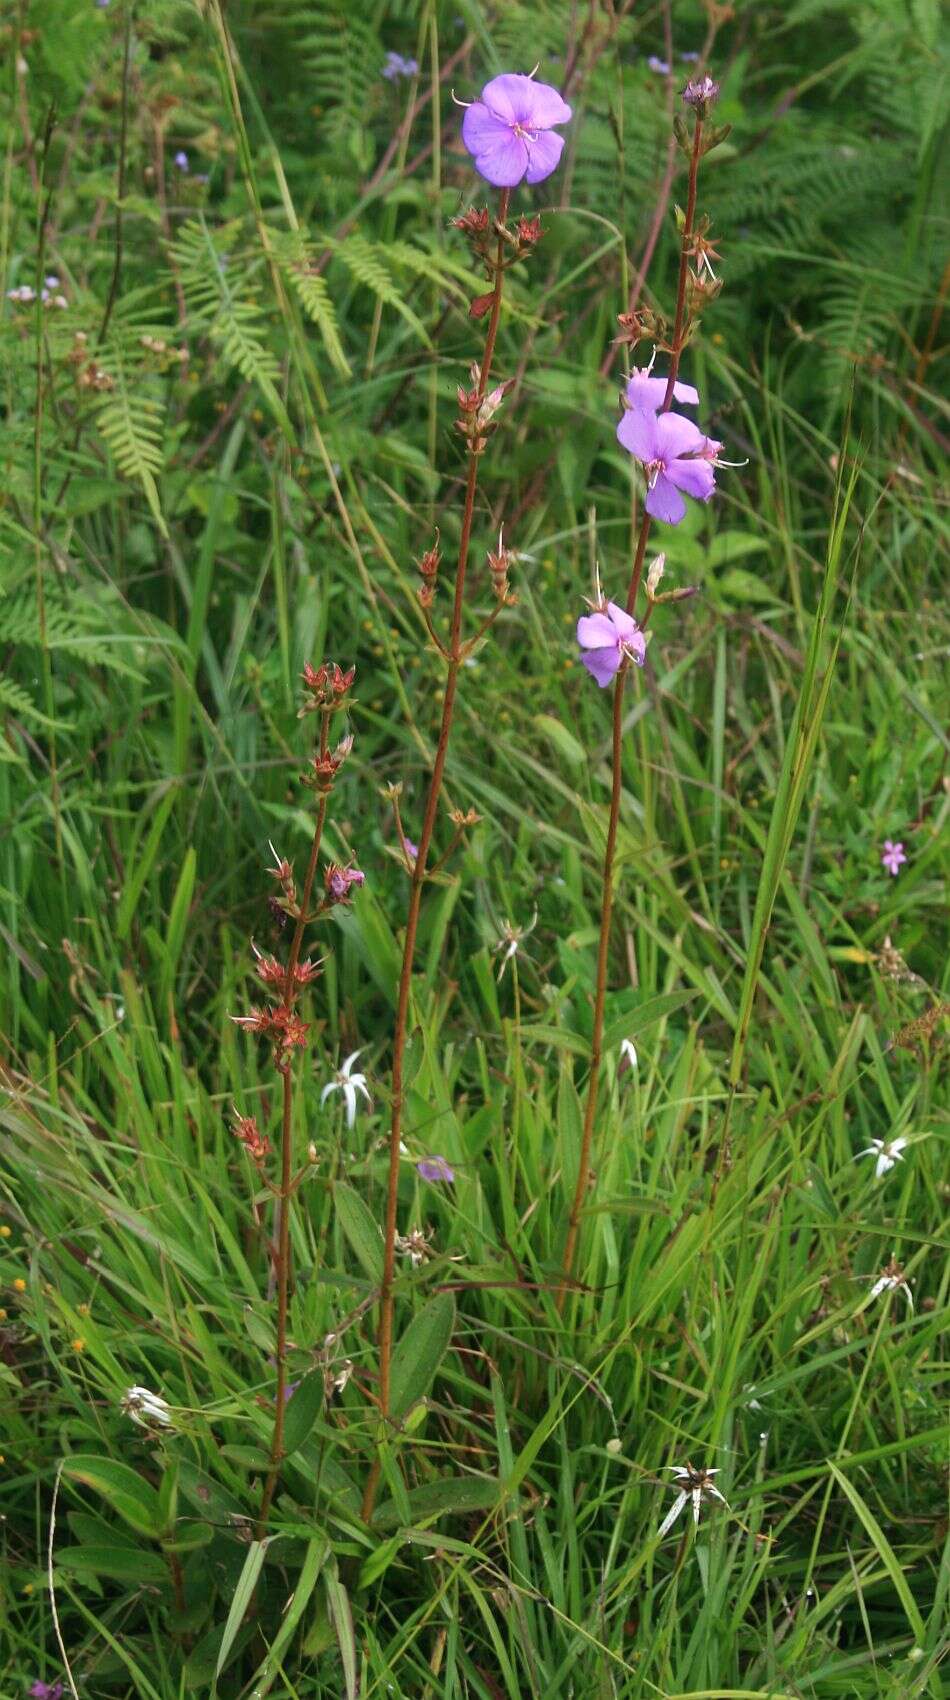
(396, 66)
(660, 66)
(509, 130)
(643, 390)
(45, 1690)
(689, 58)
(609, 635)
(435, 1169)
(181, 160)
(411, 849)
(662, 442)
(339, 880)
(700, 93)
(893, 856)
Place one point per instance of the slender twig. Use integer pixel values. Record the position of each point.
(456, 654)
(607, 891)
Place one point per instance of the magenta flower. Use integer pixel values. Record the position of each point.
(509, 130)
(643, 390)
(609, 635)
(672, 451)
(435, 1169)
(45, 1690)
(893, 857)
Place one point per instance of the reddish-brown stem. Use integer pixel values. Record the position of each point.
(613, 820)
(286, 1192)
(400, 1035)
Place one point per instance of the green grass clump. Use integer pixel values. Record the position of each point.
(221, 460)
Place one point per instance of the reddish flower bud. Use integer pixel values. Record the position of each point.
(255, 1143)
(529, 230)
(473, 223)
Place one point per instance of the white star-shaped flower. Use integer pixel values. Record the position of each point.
(887, 1151)
(695, 1485)
(349, 1083)
(892, 1280)
(147, 1409)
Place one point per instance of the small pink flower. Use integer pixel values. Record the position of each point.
(893, 856)
(609, 635)
(673, 453)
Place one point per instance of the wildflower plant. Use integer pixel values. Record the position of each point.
(278, 1021)
(677, 461)
(510, 132)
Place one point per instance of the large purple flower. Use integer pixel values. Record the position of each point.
(671, 450)
(643, 390)
(608, 635)
(509, 130)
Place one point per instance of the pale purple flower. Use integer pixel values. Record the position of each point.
(46, 1690)
(435, 1169)
(181, 160)
(700, 93)
(660, 66)
(689, 58)
(670, 449)
(509, 130)
(51, 282)
(411, 849)
(396, 66)
(893, 856)
(609, 635)
(643, 390)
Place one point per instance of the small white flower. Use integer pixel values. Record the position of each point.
(349, 1083)
(892, 1280)
(887, 1151)
(511, 941)
(148, 1410)
(628, 1053)
(695, 1485)
(415, 1245)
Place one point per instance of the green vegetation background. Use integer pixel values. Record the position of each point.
(181, 526)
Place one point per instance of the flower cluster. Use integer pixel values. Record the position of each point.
(247, 1132)
(397, 67)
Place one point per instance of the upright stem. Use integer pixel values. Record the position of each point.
(607, 889)
(286, 1161)
(454, 662)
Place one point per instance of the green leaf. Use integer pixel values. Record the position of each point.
(303, 1408)
(440, 1499)
(243, 1594)
(361, 1230)
(885, 1552)
(118, 1563)
(134, 1499)
(341, 1614)
(420, 1352)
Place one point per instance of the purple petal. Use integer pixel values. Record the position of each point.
(503, 161)
(637, 647)
(677, 436)
(643, 390)
(520, 100)
(596, 631)
(625, 624)
(601, 664)
(482, 129)
(696, 477)
(544, 152)
(435, 1169)
(637, 433)
(665, 502)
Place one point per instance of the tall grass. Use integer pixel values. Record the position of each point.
(202, 526)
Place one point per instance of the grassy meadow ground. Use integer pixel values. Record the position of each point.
(222, 457)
